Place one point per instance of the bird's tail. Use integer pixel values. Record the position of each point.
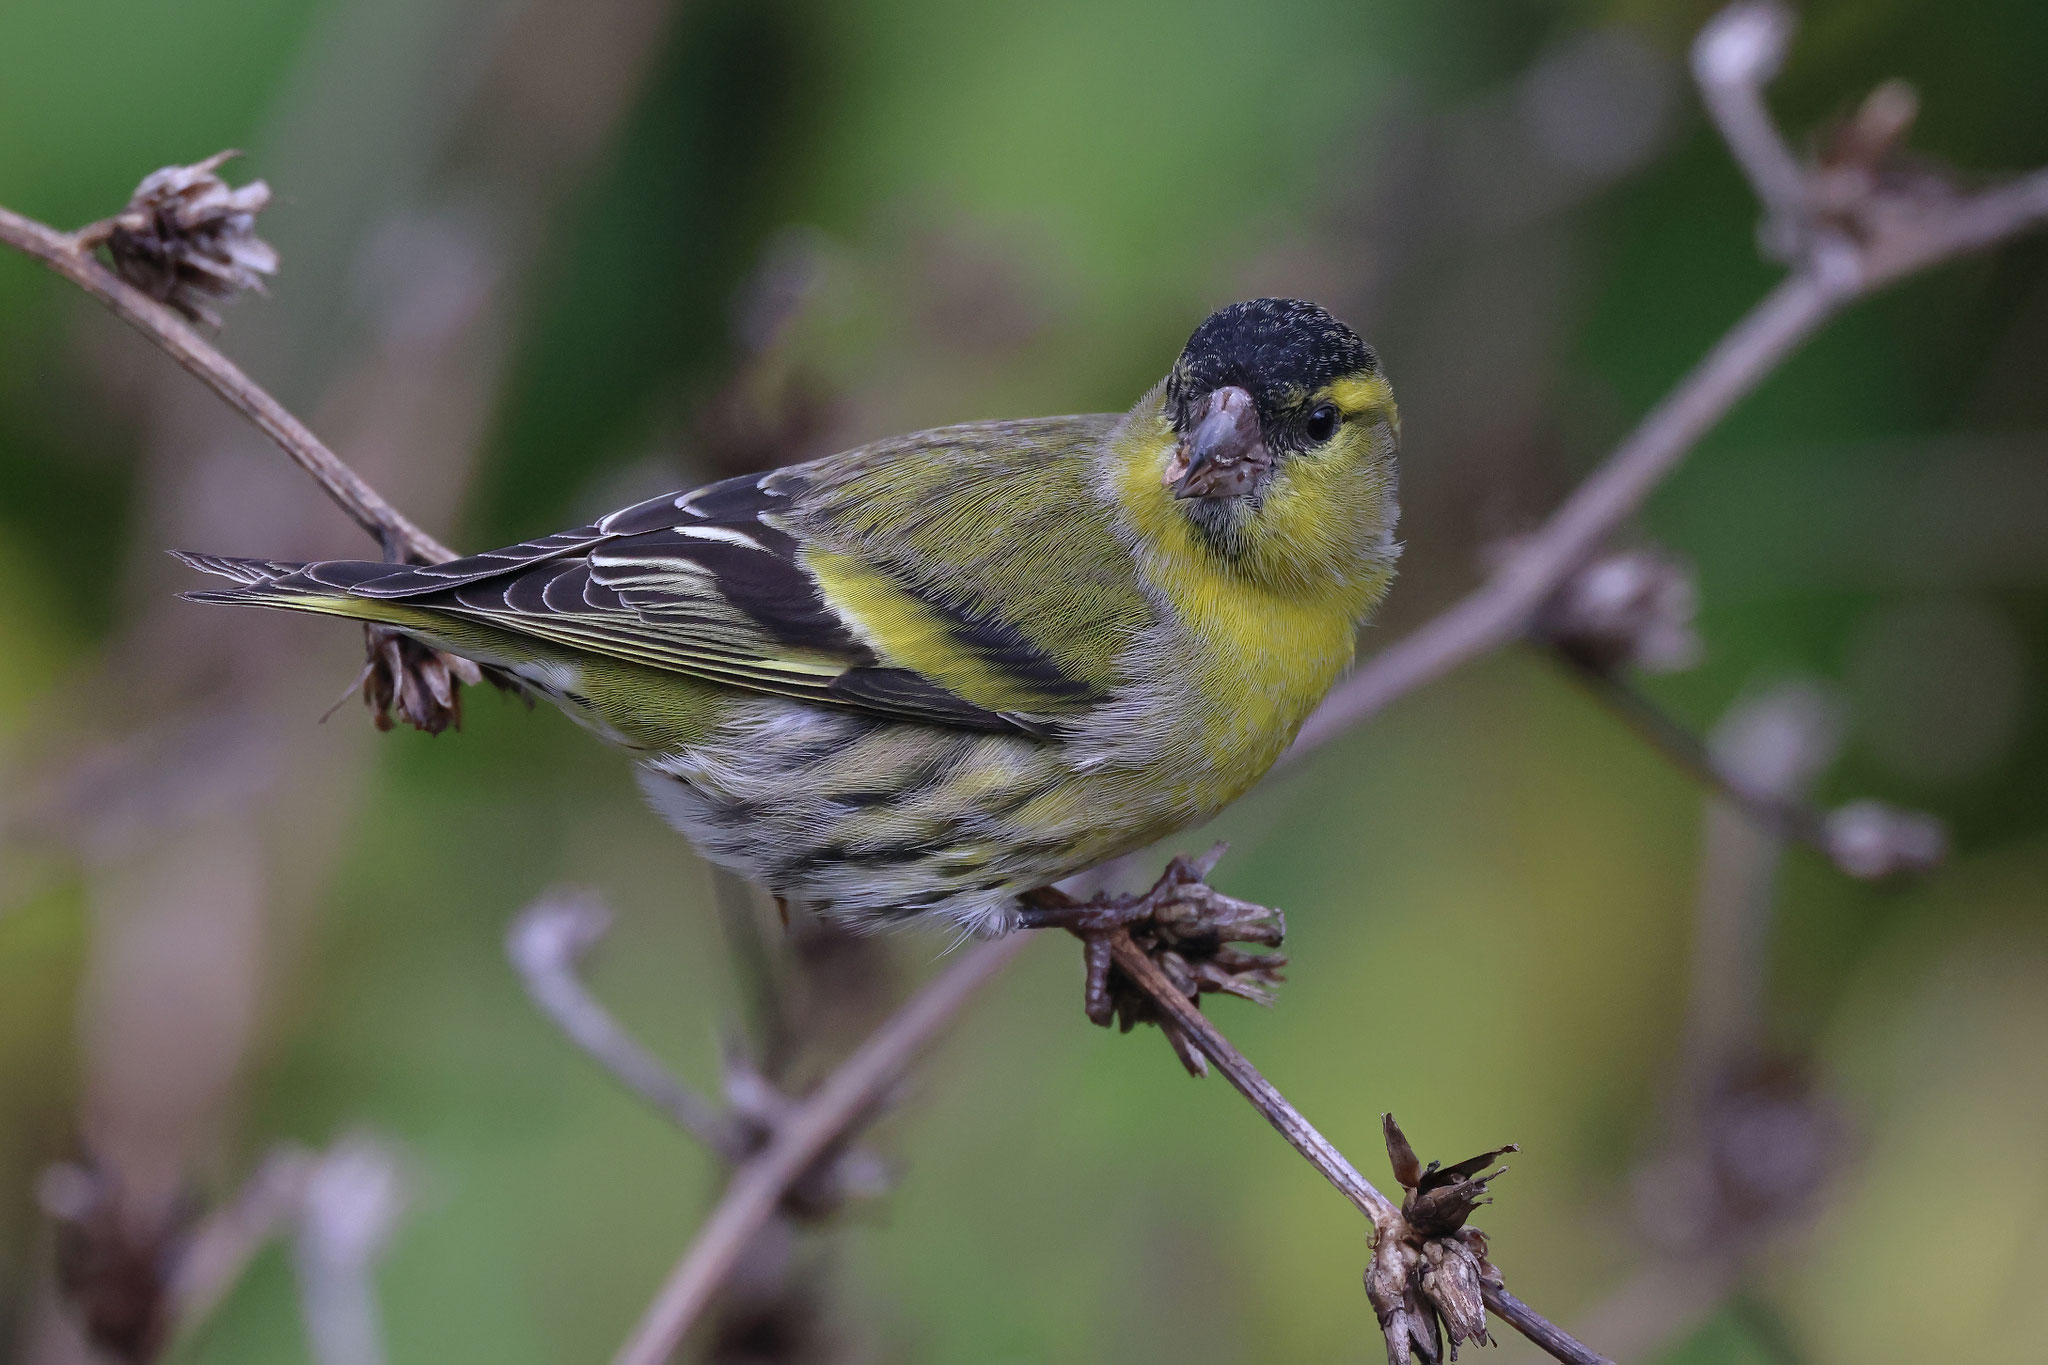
(321, 587)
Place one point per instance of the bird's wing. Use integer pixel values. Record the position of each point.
(964, 577)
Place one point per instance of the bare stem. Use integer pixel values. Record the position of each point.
(1314, 1148)
(1735, 55)
(350, 1204)
(545, 943)
(1301, 1135)
(222, 1246)
(1555, 1342)
(63, 253)
(1501, 611)
(820, 1121)
(1783, 816)
(1834, 274)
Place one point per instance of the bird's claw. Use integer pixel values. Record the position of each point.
(1186, 927)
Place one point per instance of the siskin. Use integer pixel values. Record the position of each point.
(924, 676)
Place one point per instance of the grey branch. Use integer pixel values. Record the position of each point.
(351, 1202)
(1868, 840)
(1898, 234)
(818, 1123)
(222, 1246)
(1558, 1344)
(1264, 1096)
(545, 943)
(1739, 51)
(1389, 1222)
(70, 255)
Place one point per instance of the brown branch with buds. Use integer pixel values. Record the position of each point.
(1847, 227)
(1869, 840)
(185, 238)
(1635, 608)
(1151, 957)
(810, 1131)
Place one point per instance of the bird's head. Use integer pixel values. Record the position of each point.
(1283, 438)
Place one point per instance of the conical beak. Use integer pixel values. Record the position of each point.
(1223, 453)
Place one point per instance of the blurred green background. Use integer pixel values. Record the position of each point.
(542, 258)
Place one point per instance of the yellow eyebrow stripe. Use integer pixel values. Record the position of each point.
(1361, 393)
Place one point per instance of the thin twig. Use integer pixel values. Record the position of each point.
(1786, 817)
(221, 1248)
(1734, 56)
(1981, 220)
(351, 1203)
(1500, 611)
(819, 1121)
(1557, 1343)
(1301, 1135)
(1314, 1148)
(545, 943)
(1829, 278)
(63, 253)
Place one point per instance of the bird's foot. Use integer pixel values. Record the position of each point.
(1185, 926)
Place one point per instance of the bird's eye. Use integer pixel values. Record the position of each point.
(1322, 423)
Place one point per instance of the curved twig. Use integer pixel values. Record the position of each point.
(544, 943)
(1500, 612)
(1265, 1097)
(63, 253)
(821, 1120)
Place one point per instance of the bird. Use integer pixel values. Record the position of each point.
(914, 681)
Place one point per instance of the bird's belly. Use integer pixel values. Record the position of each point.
(871, 821)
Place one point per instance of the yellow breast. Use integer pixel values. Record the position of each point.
(1267, 646)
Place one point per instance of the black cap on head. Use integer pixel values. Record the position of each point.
(1278, 350)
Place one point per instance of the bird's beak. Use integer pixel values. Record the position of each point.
(1223, 453)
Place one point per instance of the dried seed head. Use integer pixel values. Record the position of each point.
(1632, 608)
(776, 1308)
(1407, 1166)
(1393, 1285)
(1189, 929)
(1875, 132)
(1871, 840)
(414, 682)
(187, 237)
(113, 1264)
(1440, 1198)
(1773, 1140)
(1428, 1278)
(1451, 1280)
(1766, 1144)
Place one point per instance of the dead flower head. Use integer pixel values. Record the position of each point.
(406, 680)
(1189, 929)
(1872, 841)
(1427, 1281)
(187, 237)
(1767, 1145)
(1632, 608)
(113, 1264)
